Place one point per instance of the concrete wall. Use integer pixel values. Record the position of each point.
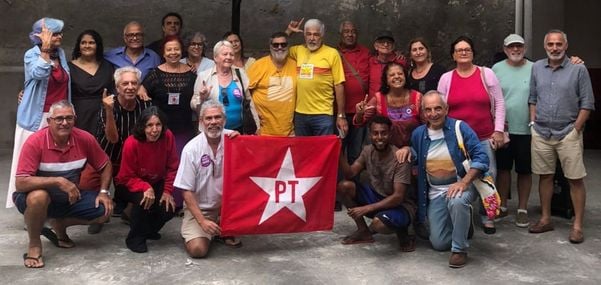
(488, 22)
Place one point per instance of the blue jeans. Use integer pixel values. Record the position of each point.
(313, 125)
(450, 221)
(354, 140)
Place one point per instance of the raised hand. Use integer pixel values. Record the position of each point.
(294, 26)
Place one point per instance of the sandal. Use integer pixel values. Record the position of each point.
(38, 260)
(53, 238)
(230, 241)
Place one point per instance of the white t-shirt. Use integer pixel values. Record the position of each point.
(439, 165)
(201, 172)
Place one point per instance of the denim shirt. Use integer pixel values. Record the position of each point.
(37, 72)
(420, 144)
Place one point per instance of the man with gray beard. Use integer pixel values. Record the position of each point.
(200, 178)
(272, 81)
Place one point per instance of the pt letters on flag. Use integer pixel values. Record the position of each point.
(279, 184)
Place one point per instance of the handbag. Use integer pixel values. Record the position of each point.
(485, 185)
(249, 126)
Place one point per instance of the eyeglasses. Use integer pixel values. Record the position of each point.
(224, 99)
(279, 45)
(197, 44)
(463, 50)
(59, 120)
(134, 35)
(57, 34)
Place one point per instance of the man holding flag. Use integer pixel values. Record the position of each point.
(200, 177)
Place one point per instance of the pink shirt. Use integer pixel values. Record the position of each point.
(470, 102)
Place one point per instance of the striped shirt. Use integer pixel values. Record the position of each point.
(125, 121)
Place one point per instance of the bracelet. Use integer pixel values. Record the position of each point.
(46, 50)
(342, 116)
(104, 191)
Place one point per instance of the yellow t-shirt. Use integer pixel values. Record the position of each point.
(274, 95)
(317, 73)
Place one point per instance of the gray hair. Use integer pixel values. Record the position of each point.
(211, 103)
(434, 93)
(221, 44)
(132, 23)
(119, 73)
(59, 105)
(315, 23)
(346, 22)
(556, 31)
(191, 36)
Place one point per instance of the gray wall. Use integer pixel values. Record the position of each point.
(487, 21)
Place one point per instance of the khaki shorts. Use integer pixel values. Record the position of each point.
(569, 150)
(190, 227)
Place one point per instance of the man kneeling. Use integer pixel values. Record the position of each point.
(47, 182)
(385, 197)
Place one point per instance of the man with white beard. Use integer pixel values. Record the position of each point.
(514, 77)
(272, 81)
(320, 83)
(561, 99)
(200, 178)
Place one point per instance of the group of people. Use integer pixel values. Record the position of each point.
(151, 120)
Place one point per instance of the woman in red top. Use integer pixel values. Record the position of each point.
(395, 101)
(148, 166)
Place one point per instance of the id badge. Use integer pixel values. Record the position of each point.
(173, 99)
(306, 71)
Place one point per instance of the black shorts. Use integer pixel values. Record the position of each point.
(518, 151)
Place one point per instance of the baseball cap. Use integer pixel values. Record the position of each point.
(384, 35)
(513, 39)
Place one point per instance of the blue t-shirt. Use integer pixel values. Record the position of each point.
(231, 97)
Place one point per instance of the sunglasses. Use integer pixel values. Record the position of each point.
(224, 99)
(279, 45)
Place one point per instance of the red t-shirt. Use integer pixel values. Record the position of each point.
(58, 87)
(354, 93)
(468, 101)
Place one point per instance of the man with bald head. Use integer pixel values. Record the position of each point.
(133, 53)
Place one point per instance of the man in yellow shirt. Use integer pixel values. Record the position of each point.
(320, 77)
(272, 81)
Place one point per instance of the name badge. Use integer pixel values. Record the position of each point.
(173, 99)
(306, 71)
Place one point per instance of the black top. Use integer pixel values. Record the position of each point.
(428, 82)
(172, 92)
(86, 93)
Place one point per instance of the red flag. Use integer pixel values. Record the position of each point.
(279, 184)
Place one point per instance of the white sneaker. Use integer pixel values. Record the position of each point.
(521, 218)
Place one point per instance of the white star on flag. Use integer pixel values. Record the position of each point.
(286, 190)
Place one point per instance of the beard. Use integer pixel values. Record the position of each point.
(279, 56)
(313, 46)
(515, 58)
(212, 132)
(556, 56)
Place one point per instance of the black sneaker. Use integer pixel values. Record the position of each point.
(95, 228)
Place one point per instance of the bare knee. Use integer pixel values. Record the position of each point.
(346, 188)
(198, 247)
(38, 198)
(380, 227)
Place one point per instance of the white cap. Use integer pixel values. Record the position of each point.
(512, 39)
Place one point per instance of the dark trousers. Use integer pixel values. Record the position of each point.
(144, 223)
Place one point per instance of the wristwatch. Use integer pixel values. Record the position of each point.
(342, 116)
(104, 191)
